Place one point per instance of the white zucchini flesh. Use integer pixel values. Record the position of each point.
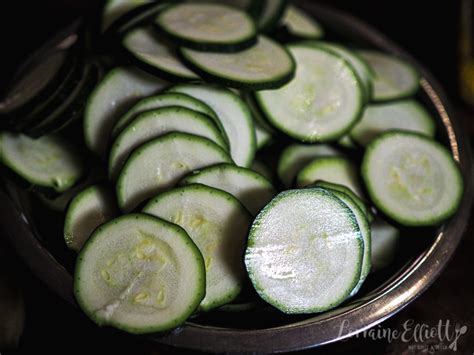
(393, 77)
(300, 24)
(145, 46)
(159, 164)
(234, 115)
(385, 241)
(163, 100)
(207, 23)
(296, 156)
(48, 162)
(322, 102)
(89, 209)
(411, 178)
(218, 224)
(139, 274)
(153, 124)
(290, 237)
(406, 115)
(249, 187)
(265, 65)
(337, 170)
(117, 91)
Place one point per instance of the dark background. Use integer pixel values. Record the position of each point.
(427, 29)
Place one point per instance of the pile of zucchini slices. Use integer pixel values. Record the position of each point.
(228, 147)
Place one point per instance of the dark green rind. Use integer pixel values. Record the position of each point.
(254, 231)
(206, 46)
(276, 122)
(187, 242)
(386, 209)
(229, 297)
(275, 18)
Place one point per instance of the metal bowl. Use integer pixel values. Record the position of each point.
(270, 331)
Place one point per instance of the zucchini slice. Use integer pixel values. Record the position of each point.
(156, 123)
(265, 65)
(139, 274)
(337, 170)
(234, 115)
(296, 156)
(322, 102)
(156, 56)
(412, 179)
(89, 209)
(271, 14)
(165, 100)
(117, 91)
(249, 187)
(218, 224)
(393, 77)
(159, 164)
(290, 237)
(207, 26)
(114, 9)
(47, 163)
(407, 115)
(299, 24)
(385, 242)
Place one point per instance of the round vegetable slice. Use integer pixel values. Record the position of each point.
(300, 24)
(337, 170)
(47, 162)
(271, 14)
(207, 26)
(406, 115)
(159, 164)
(115, 9)
(117, 91)
(393, 77)
(296, 156)
(155, 56)
(290, 237)
(218, 224)
(385, 241)
(153, 124)
(234, 115)
(249, 187)
(412, 179)
(139, 274)
(164, 100)
(322, 102)
(265, 65)
(89, 209)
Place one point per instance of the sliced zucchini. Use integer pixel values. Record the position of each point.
(115, 9)
(262, 136)
(164, 100)
(156, 123)
(406, 115)
(290, 237)
(346, 142)
(364, 227)
(296, 156)
(412, 179)
(337, 170)
(299, 24)
(360, 66)
(271, 14)
(47, 163)
(322, 102)
(89, 209)
(218, 224)
(157, 165)
(139, 274)
(234, 115)
(155, 55)
(261, 168)
(385, 241)
(393, 78)
(265, 65)
(117, 91)
(249, 187)
(207, 26)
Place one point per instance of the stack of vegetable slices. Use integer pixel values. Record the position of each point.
(228, 140)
